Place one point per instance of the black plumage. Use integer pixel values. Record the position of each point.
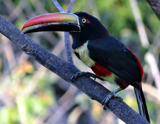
(116, 57)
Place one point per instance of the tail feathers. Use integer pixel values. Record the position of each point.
(142, 103)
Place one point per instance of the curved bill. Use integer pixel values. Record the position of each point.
(52, 22)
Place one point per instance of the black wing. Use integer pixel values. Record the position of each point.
(116, 57)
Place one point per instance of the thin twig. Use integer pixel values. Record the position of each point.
(67, 38)
(154, 68)
(58, 6)
(64, 102)
(68, 47)
(66, 35)
(139, 23)
(70, 6)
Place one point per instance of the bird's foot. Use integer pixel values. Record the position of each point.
(108, 97)
(79, 74)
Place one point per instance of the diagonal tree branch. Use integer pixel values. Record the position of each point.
(70, 6)
(155, 5)
(58, 6)
(90, 87)
(68, 47)
(66, 35)
(139, 23)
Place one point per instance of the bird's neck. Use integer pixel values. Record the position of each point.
(79, 40)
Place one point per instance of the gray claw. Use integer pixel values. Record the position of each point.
(79, 74)
(108, 97)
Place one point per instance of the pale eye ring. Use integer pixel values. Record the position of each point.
(84, 20)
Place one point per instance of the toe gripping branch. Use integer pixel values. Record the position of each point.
(108, 97)
(79, 74)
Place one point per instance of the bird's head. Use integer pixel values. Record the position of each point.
(80, 25)
(91, 27)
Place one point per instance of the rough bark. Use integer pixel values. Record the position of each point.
(155, 5)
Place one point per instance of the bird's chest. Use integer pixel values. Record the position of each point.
(83, 54)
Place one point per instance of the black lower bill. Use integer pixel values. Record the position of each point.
(58, 27)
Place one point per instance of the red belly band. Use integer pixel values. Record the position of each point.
(100, 70)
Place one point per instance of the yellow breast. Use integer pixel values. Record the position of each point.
(84, 55)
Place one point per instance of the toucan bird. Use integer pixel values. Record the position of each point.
(109, 58)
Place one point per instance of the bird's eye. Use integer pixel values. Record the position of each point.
(84, 20)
